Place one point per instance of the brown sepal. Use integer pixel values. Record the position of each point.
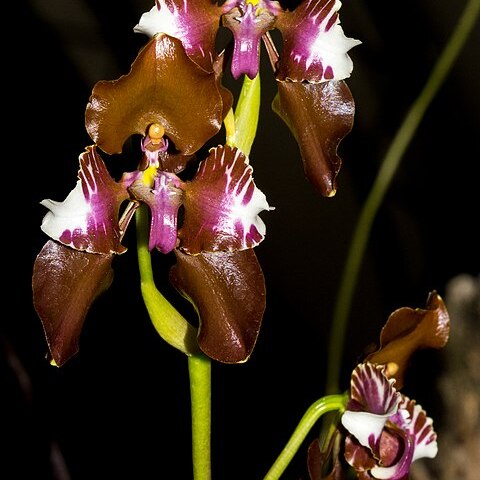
(228, 292)
(319, 116)
(163, 86)
(408, 330)
(318, 461)
(65, 284)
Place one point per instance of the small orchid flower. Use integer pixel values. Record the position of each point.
(313, 99)
(388, 431)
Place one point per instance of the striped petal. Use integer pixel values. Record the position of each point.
(195, 24)
(419, 426)
(87, 219)
(373, 400)
(222, 205)
(314, 45)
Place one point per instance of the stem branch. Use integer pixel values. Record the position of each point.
(314, 412)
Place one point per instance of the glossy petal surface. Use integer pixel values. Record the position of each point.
(88, 218)
(164, 200)
(222, 205)
(165, 87)
(314, 45)
(65, 283)
(228, 291)
(319, 116)
(408, 330)
(194, 23)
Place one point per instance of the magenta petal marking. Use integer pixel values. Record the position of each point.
(163, 229)
(194, 23)
(87, 219)
(419, 426)
(315, 47)
(372, 391)
(222, 205)
(372, 400)
(399, 470)
(248, 23)
(164, 201)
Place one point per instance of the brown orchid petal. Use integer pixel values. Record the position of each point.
(65, 284)
(228, 291)
(165, 87)
(318, 462)
(408, 330)
(319, 116)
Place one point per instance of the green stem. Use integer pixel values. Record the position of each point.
(242, 127)
(199, 367)
(382, 182)
(314, 412)
(168, 322)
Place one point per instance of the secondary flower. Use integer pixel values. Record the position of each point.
(313, 99)
(388, 431)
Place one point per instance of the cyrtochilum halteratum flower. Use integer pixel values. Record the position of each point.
(177, 106)
(385, 431)
(313, 98)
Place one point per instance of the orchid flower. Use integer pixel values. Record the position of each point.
(313, 99)
(216, 267)
(212, 247)
(388, 431)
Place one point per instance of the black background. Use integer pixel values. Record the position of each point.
(120, 408)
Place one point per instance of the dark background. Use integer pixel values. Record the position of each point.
(120, 408)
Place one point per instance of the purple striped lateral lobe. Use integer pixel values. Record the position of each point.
(373, 399)
(164, 201)
(194, 23)
(222, 205)
(406, 433)
(314, 45)
(87, 220)
(413, 419)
